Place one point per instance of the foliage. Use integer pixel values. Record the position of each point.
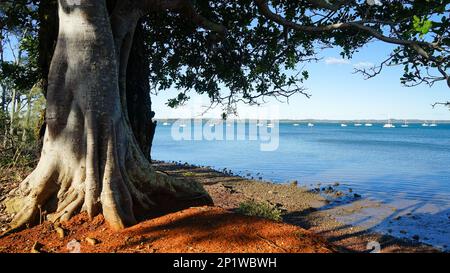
(260, 58)
(260, 209)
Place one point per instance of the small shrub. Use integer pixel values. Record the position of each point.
(260, 209)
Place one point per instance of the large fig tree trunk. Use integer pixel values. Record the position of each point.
(138, 92)
(90, 159)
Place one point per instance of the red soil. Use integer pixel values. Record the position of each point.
(199, 229)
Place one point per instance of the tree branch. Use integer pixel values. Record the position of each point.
(416, 45)
(186, 7)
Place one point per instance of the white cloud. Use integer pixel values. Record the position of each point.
(333, 60)
(362, 65)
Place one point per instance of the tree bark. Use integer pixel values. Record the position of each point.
(138, 89)
(12, 114)
(138, 92)
(90, 159)
(48, 34)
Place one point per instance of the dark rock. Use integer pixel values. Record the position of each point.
(403, 231)
(416, 237)
(357, 195)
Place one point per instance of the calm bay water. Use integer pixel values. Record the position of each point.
(412, 162)
(406, 169)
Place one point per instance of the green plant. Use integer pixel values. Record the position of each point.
(260, 209)
(189, 174)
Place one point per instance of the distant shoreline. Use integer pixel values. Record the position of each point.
(375, 121)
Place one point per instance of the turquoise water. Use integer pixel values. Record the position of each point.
(384, 163)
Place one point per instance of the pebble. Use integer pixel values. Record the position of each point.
(61, 233)
(91, 241)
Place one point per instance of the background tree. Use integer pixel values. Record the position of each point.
(230, 50)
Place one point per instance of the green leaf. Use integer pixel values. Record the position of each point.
(421, 26)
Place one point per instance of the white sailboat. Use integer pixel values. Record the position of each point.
(425, 124)
(389, 125)
(166, 124)
(295, 124)
(357, 124)
(368, 124)
(310, 124)
(404, 125)
(343, 125)
(433, 124)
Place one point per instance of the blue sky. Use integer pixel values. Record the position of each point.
(337, 93)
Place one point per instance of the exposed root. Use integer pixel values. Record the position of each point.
(90, 159)
(128, 192)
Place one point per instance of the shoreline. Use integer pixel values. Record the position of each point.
(319, 210)
(312, 211)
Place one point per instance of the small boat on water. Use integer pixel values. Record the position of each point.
(166, 124)
(389, 125)
(404, 125)
(295, 124)
(368, 124)
(357, 124)
(310, 124)
(343, 125)
(433, 124)
(425, 124)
